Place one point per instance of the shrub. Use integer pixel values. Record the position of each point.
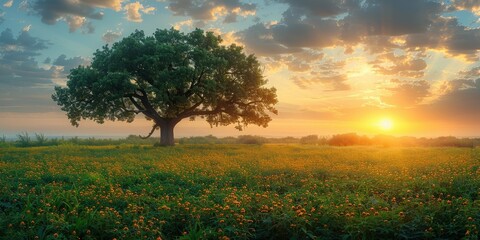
(310, 139)
(249, 139)
(24, 140)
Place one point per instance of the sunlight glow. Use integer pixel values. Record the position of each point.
(386, 124)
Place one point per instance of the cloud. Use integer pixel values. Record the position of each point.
(210, 10)
(62, 65)
(391, 17)
(447, 35)
(27, 28)
(312, 32)
(469, 5)
(259, 39)
(134, 11)
(111, 36)
(26, 85)
(187, 23)
(406, 94)
(17, 64)
(112, 4)
(8, 4)
(74, 12)
(301, 61)
(320, 8)
(228, 38)
(403, 65)
(473, 73)
(333, 83)
(24, 43)
(70, 63)
(461, 105)
(328, 73)
(53, 10)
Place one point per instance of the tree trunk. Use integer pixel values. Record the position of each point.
(166, 133)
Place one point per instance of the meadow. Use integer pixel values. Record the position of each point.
(222, 191)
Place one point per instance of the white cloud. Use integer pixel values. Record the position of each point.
(8, 4)
(27, 28)
(187, 23)
(75, 22)
(113, 4)
(110, 36)
(134, 11)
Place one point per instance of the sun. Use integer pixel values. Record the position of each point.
(386, 124)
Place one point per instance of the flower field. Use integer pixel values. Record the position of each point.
(239, 192)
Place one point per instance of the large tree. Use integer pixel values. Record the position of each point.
(168, 77)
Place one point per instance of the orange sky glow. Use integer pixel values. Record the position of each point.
(338, 66)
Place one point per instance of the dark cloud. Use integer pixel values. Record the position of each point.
(379, 26)
(26, 85)
(321, 8)
(17, 64)
(392, 17)
(310, 32)
(406, 94)
(52, 10)
(75, 13)
(259, 39)
(378, 44)
(24, 43)
(457, 101)
(293, 33)
(209, 10)
(461, 105)
(464, 41)
(70, 63)
(230, 18)
(466, 79)
(448, 35)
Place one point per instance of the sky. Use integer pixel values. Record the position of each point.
(338, 65)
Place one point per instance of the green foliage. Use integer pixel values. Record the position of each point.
(24, 140)
(168, 77)
(310, 139)
(239, 192)
(249, 139)
(41, 139)
(3, 142)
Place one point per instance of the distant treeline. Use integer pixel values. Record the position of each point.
(37, 140)
(348, 139)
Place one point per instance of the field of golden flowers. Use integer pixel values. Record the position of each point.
(239, 192)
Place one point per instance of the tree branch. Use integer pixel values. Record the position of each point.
(136, 104)
(126, 110)
(190, 109)
(149, 110)
(151, 132)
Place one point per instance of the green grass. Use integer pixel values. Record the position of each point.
(239, 192)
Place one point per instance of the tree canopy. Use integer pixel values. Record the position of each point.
(167, 77)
